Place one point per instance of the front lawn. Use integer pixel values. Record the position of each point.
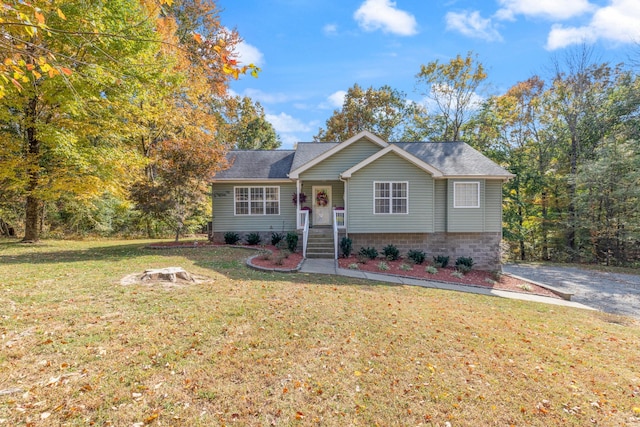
(252, 348)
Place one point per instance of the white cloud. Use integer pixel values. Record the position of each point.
(248, 54)
(330, 29)
(550, 9)
(266, 98)
(471, 24)
(382, 14)
(336, 99)
(284, 123)
(619, 22)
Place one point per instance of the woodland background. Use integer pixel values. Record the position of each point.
(115, 115)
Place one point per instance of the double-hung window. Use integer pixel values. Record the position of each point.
(257, 200)
(390, 197)
(466, 194)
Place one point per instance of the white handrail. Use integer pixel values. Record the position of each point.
(338, 222)
(305, 232)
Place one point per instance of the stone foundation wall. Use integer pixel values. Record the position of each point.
(484, 248)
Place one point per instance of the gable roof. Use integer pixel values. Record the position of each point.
(307, 151)
(455, 159)
(295, 172)
(257, 165)
(400, 152)
(440, 159)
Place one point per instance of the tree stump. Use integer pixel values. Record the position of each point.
(169, 274)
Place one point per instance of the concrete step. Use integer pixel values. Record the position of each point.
(319, 255)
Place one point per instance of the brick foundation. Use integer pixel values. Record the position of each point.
(484, 248)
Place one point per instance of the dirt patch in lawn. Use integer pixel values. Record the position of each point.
(485, 279)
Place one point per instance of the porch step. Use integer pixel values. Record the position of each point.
(320, 244)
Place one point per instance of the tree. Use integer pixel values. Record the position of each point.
(244, 124)
(384, 111)
(453, 88)
(580, 98)
(78, 70)
(54, 126)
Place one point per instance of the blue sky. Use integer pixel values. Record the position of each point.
(312, 51)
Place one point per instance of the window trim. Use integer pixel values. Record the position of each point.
(390, 198)
(477, 184)
(248, 201)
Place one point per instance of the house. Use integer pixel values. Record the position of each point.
(444, 198)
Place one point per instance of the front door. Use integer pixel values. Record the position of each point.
(322, 205)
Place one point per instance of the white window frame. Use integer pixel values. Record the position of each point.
(249, 201)
(477, 185)
(390, 198)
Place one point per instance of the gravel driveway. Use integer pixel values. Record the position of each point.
(609, 292)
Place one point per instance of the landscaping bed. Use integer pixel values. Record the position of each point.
(485, 279)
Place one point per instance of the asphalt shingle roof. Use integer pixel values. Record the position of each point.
(454, 158)
(250, 164)
(451, 158)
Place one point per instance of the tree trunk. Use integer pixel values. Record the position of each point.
(34, 203)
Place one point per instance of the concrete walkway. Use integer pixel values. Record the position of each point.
(330, 266)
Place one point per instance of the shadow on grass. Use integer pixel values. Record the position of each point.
(230, 262)
(39, 253)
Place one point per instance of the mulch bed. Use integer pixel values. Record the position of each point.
(481, 278)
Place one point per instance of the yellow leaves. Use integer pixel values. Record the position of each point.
(636, 411)
(197, 37)
(61, 15)
(357, 373)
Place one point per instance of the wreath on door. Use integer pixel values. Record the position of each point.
(322, 199)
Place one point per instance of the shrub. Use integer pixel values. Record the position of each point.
(464, 264)
(354, 266)
(368, 252)
(346, 246)
(292, 241)
(253, 239)
(383, 266)
(391, 253)
(441, 261)
(276, 238)
(265, 255)
(417, 256)
(362, 259)
(431, 270)
(231, 238)
(284, 253)
(456, 273)
(405, 267)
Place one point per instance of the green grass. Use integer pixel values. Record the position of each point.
(254, 348)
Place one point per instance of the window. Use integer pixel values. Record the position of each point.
(466, 194)
(390, 197)
(257, 200)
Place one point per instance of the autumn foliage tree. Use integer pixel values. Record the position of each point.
(76, 76)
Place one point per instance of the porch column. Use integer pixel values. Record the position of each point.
(298, 225)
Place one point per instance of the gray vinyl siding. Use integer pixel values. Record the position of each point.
(440, 205)
(493, 206)
(465, 219)
(223, 207)
(332, 167)
(390, 167)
